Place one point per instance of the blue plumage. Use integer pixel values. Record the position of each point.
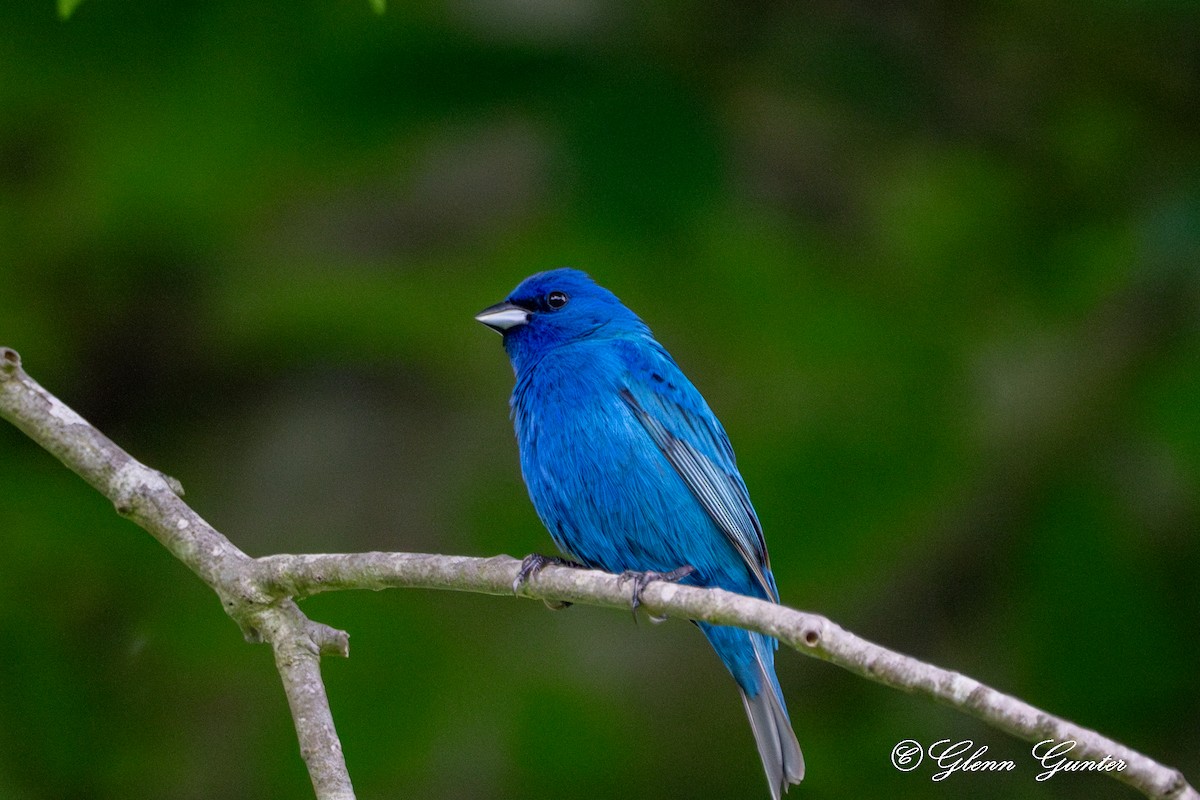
(629, 469)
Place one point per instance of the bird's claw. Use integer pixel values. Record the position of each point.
(534, 563)
(643, 579)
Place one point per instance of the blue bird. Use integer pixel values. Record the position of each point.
(631, 472)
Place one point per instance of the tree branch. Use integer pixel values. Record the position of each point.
(811, 634)
(152, 500)
(260, 593)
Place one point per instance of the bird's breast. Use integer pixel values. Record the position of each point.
(600, 485)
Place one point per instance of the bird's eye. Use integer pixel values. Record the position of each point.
(557, 299)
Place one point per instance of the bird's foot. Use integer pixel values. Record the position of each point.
(643, 579)
(534, 563)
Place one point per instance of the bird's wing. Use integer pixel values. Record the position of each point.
(687, 432)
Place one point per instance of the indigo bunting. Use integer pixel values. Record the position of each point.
(631, 472)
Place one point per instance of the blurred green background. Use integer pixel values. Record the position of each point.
(937, 268)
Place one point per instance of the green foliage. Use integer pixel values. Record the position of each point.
(936, 272)
(67, 7)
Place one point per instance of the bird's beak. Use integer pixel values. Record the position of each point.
(503, 316)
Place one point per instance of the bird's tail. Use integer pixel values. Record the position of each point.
(781, 758)
(751, 659)
(777, 746)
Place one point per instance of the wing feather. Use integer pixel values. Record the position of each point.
(680, 423)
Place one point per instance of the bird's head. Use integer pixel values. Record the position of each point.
(554, 308)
